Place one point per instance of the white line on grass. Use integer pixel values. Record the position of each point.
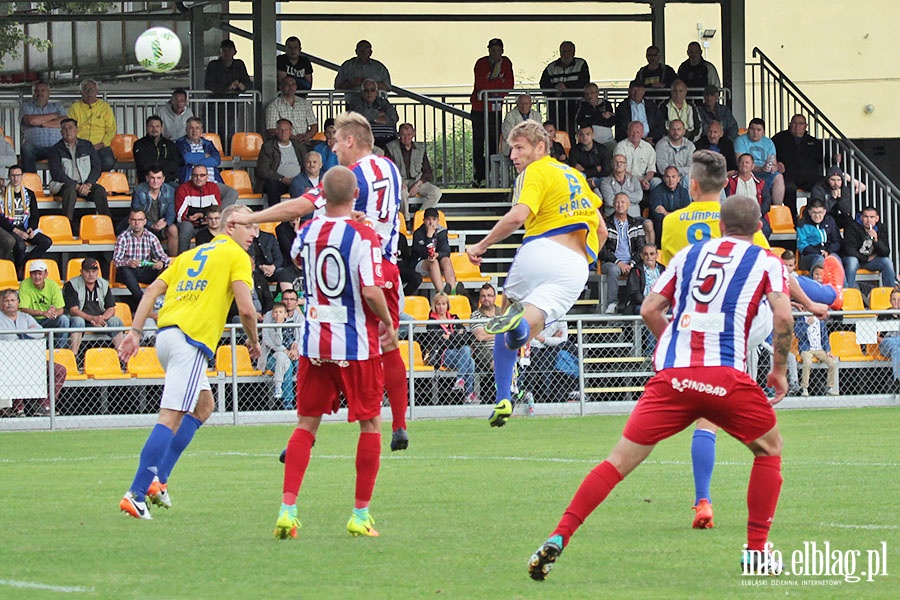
(537, 459)
(43, 586)
(846, 526)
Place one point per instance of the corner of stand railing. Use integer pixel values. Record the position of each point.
(756, 51)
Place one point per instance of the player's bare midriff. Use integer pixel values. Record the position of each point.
(573, 240)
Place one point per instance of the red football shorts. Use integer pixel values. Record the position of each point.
(391, 289)
(675, 398)
(361, 381)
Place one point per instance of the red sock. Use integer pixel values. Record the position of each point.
(299, 448)
(592, 491)
(396, 386)
(762, 498)
(368, 459)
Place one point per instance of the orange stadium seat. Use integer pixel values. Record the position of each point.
(460, 306)
(781, 220)
(239, 179)
(33, 182)
(97, 229)
(103, 363)
(145, 364)
(245, 145)
(465, 270)
(57, 228)
(244, 364)
(563, 138)
(122, 146)
(845, 347)
(417, 307)
(217, 142)
(418, 359)
(115, 184)
(880, 298)
(66, 358)
(269, 226)
(123, 311)
(73, 268)
(8, 278)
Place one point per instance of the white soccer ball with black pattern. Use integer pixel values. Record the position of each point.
(158, 49)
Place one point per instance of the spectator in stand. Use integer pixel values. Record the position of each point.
(406, 264)
(415, 170)
(12, 318)
(90, 303)
(267, 256)
(866, 246)
(96, 122)
(523, 111)
(41, 120)
(813, 342)
(817, 236)
(355, 70)
(567, 75)
(279, 166)
(557, 150)
(696, 71)
(19, 217)
(889, 342)
(138, 256)
(638, 108)
(378, 111)
(312, 173)
(620, 181)
(641, 279)
(329, 158)
(260, 295)
(275, 355)
(621, 251)
(666, 198)
(431, 248)
(287, 336)
(295, 109)
(448, 346)
(598, 114)
(293, 64)
(154, 149)
(226, 77)
(799, 159)
(676, 151)
(745, 183)
(589, 157)
(677, 107)
(483, 343)
(197, 150)
(175, 114)
(74, 171)
(492, 72)
(836, 195)
(710, 110)
(191, 200)
(156, 200)
(640, 156)
(655, 74)
(765, 160)
(286, 233)
(7, 160)
(214, 225)
(714, 140)
(42, 299)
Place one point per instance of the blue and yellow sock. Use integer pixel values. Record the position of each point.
(518, 337)
(504, 364)
(189, 426)
(151, 455)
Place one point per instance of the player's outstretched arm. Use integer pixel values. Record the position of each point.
(286, 210)
(131, 343)
(782, 334)
(510, 222)
(247, 311)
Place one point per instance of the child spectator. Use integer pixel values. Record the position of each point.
(812, 340)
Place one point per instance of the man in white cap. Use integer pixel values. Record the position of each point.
(42, 298)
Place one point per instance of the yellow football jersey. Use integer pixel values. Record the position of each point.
(560, 201)
(696, 222)
(199, 293)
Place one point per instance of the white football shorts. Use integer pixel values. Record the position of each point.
(185, 366)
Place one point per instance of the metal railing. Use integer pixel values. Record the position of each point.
(773, 97)
(601, 366)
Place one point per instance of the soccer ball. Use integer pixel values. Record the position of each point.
(158, 49)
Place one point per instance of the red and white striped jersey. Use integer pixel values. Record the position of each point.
(379, 198)
(715, 289)
(339, 257)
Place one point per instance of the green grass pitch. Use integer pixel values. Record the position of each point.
(459, 513)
